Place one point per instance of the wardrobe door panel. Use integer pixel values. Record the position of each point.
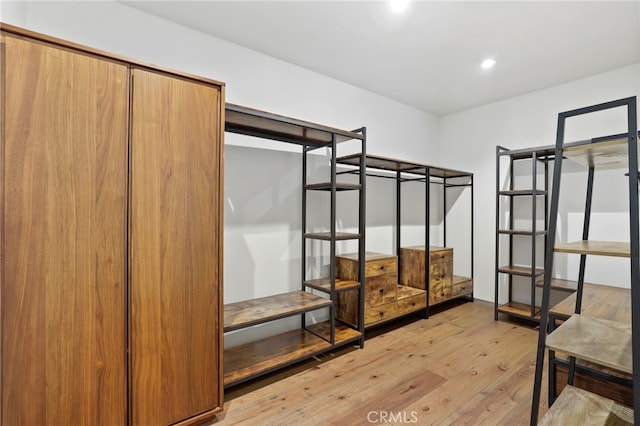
(175, 240)
(62, 277)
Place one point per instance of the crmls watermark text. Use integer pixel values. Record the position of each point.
(391, 417)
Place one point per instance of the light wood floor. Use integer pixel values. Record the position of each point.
(458, 367)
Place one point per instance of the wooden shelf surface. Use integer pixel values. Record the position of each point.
(610, 152)
(521, 232)
(601, 301)
(597, 340)
(575, 406)
(522, 192)
(520, 270)
(262, 124)
(343, 333)
(255, 358)
(257, 311)
(324, 284)
(326, 186)
(560, 284)
(599, 248)
(395, 165)
(326, 236)
(405, 292)
(252, 359)
(519, 309)
(458, 279)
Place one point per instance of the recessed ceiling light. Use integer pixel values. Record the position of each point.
(488, 63)
(398, 6)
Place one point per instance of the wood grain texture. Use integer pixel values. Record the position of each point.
(605, 302)
(412, 266)
(381, 282)
(175, 232)
(519, 309)
(63, 236)
(324, 284)
(597, 340)
(250, 359)
(458, 367)
(588, 381)
(599, 301)
(611, 154)
(256, 311)
(599, 248)
(578, 407)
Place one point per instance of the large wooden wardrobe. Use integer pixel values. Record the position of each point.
(111, 238)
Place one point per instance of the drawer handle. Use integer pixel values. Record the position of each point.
(381, 313)
(381, 291)
(382, 267)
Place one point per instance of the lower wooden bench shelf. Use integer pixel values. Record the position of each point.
(578, 407)
(521, 310)
(244, 362)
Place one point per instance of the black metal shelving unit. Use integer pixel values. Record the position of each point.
(601, 342)
(405, 171)
(253, 359)
(506, 233)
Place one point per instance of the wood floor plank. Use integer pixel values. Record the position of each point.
(457, 367)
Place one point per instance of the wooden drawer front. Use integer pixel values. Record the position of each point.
(462, 288)
(374, 264)
(380, 289)
(441, 255)
(390, 311)
(412, 265)
(439, 291)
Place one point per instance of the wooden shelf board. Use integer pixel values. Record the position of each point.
(327, 236)
(457, 279)
(599, 248)
(541, 152)
(520, 270)
(343, 333)
(610, 152)
(257, 311)
(519, 309)
(326, 186)
(262, 356)
(522, 192)
(324, 284)
(262, 124)
(404, 292)
(612, 303)
(579, 407)
(560, 284)
(597, 340)
(395, 165)
(521, 232)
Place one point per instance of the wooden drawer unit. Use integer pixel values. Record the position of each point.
(381, 276)
(409, 300)
(412, 267)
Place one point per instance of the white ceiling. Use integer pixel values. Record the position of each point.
(429, 57)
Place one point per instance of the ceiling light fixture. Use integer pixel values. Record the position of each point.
(398, 6)
(488, 63)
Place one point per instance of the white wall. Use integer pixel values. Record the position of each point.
(468, 141)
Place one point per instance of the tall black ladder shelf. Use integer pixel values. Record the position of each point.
(263, 356)
(529, 270)
(606, 343)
